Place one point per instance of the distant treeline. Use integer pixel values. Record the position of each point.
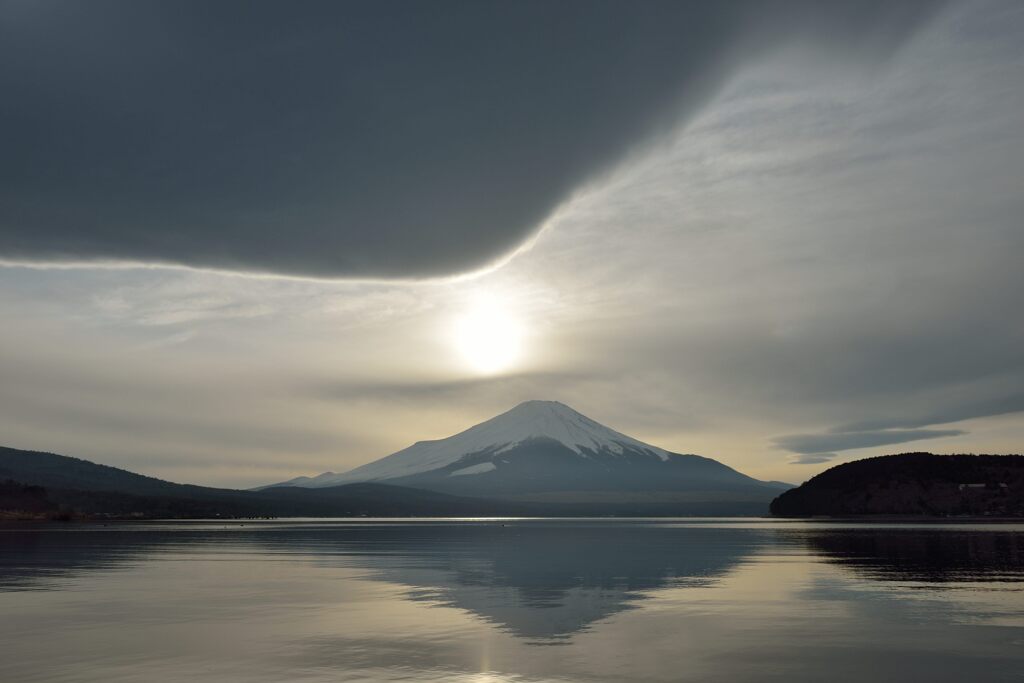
(912, 484)
(24, 501)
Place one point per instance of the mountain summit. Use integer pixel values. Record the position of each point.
(526, 422)
(546, 451)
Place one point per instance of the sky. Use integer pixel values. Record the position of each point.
(245, 242)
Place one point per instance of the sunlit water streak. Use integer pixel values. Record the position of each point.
(511, 600)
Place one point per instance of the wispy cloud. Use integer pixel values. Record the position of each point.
(818, 445)
(812, 458)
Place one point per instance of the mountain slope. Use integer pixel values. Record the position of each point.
(33, 481)
(64, 472)
(546, 451)
(46, 485)
(527, 421)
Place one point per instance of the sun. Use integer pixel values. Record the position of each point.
(489, 337)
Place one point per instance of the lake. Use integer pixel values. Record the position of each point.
(480, 601)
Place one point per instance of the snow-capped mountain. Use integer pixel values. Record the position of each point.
(527, 421)
(545, 450)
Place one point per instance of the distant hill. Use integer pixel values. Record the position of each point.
(63, 472)
(912, 484)
(47, 484)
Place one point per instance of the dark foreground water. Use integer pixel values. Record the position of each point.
(494, 601)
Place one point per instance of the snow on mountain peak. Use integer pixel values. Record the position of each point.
(554, 420)
(528, 420)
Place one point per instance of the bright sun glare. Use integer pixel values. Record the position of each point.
(489, 337)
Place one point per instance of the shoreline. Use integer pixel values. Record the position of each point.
(859, 519)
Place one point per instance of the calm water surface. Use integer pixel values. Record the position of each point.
(527, 600)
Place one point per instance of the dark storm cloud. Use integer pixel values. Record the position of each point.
(818, 445)
(383, 139)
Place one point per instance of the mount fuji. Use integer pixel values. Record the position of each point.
(544, 451)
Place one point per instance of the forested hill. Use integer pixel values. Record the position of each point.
(912, 484)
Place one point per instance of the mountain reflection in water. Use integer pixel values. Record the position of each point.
(536, 581)
(643, 600)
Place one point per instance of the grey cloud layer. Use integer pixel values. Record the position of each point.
(810, 448)
(955, 412)
(381, 139)
(820, 444)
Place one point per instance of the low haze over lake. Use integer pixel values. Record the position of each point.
(523, 601)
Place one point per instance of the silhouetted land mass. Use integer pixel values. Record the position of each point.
(50, 486)
(47, 485)
(917, 484)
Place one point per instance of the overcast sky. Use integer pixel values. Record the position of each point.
(240, 241)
